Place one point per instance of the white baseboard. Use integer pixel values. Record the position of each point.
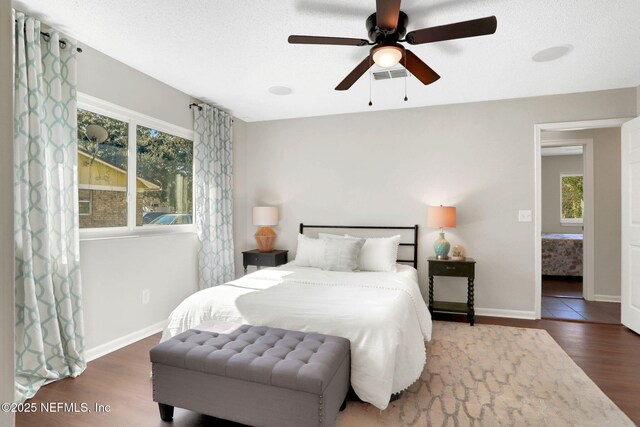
(118, 343)
(497, 312)
(607, 298)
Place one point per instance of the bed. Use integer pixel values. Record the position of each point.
(381, 313)
(561, 254)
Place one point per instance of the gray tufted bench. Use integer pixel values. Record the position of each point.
(255, 375)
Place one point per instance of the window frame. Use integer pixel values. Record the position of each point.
(133, 120)
(571, 222)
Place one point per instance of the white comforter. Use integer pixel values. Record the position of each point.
(382, 314)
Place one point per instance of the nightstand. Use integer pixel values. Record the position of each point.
(445, 267)
(264, 259)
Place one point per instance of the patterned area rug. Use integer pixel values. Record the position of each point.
(489, 375)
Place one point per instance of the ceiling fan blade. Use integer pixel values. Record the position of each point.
(354, 75)
(342, 41)
(418, 68)
(387, 13)
(459, 30)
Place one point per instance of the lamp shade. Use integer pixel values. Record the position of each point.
(441, 217)
(265, 215)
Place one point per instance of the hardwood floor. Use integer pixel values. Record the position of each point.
(569, 287)
(562, 299)
(607, 353)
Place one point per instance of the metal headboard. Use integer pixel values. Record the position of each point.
(413, 261)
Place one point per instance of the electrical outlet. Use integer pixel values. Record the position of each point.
(524, 216)
(146, 296)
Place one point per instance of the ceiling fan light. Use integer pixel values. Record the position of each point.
(387, 56)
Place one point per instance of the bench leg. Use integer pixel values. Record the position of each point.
(166, 412)
(344, 405)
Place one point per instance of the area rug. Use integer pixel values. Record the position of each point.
(486, 375)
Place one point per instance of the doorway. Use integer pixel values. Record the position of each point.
(563, 184)
(577, 221)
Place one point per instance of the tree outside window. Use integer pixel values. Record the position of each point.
(571, 187)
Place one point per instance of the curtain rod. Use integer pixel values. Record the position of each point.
(63, 44)
(193, 104)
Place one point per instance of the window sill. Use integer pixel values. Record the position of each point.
(126, 233)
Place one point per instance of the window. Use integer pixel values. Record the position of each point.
(160, 192)
(166, 163)
(102, 172)
(84, 202)
(571, 199)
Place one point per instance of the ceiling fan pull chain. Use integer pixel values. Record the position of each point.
(370, 78)
(405, 79)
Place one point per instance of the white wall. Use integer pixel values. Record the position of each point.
(607, 213)
(240, 214)
(116, 271)
(387, 167)
(552, 168)
(6, 214)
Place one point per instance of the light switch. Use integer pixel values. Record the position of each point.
(524, 216)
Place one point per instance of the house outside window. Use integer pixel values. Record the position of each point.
(572, 199)
(160, 189)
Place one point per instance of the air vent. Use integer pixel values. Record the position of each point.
(389, 74)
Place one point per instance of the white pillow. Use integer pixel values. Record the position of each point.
(379, 254)
(310, 252)
(331, 236)
(341, 254)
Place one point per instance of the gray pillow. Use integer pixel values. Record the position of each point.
(342, 254)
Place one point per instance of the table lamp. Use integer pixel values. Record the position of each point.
(441, 217)
(265, 217)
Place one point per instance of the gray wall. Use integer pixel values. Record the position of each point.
(552, 168)
(6, 213)
(387, 167)
(607, 196)
(101, 76)
(115, 271)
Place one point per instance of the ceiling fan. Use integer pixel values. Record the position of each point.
(387, 27)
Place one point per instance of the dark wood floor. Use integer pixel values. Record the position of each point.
(567, 287)
(609, 355)
(562, 299)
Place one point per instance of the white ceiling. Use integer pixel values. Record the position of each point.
(229, 52)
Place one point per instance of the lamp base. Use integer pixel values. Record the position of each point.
(441, 247)
(265, 239)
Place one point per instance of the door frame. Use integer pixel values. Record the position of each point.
(588, 249)
(588, 252)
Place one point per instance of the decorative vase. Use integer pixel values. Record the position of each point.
(441, 247)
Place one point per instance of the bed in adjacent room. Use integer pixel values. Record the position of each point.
(561, 254)
(382, 313)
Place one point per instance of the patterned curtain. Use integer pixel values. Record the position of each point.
(49, 328)
(214, 204)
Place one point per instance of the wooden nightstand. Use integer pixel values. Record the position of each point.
(445, 267)
(264, 259)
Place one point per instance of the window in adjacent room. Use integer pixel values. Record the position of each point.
(572, 201)
(110, 195)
